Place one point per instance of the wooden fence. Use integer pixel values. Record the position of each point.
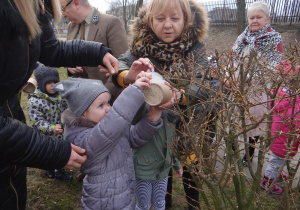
(223, 12)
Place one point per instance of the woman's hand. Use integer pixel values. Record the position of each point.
(176, 94)
(77, 158)
(142, 64)
(111, 65)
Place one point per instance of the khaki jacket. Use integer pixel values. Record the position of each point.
(110, 31)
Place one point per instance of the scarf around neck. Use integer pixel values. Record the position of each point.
(266, 42)
(145, 43)
(166, 53)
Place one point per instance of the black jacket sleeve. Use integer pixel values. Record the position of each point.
(24, 146)
(56, 53)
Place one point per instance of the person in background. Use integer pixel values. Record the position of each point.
(107, 135)
(26, 37)
(260, 37)
(87, 23)
(44, 108)
(285, 127)
(154, 160)
(170, 32)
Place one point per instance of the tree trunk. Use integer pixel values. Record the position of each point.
(124, 2)
(241, 16)
(139, 4)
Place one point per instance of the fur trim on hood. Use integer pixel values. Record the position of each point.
(196, 32)
(69, 118)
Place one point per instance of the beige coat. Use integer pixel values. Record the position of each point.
(110, 31)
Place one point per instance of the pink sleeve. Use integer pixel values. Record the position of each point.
(280, 47)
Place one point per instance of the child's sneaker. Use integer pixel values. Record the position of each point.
(245, 163)
(62, 175)
(266, 182)
(283, 176)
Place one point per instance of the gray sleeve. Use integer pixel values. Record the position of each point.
(107, 133)
(143, 131)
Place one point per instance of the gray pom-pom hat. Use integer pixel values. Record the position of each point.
(80, 93)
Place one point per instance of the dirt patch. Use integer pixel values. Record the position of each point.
(222, 38)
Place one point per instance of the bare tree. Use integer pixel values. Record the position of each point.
(139, 4)
(115, 8)
(241, 16)
(222, 181)
(123, 9)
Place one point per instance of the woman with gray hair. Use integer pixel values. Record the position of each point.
(260, 37)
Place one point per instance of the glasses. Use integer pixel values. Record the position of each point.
(64, 8)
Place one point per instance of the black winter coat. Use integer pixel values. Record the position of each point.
(21, 145)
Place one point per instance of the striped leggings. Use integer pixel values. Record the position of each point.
(151, 192)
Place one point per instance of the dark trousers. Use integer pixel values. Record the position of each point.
(169, 190)
(192, 195)
(252, 141)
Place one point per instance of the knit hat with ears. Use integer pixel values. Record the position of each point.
(80, 93)
(44, 74)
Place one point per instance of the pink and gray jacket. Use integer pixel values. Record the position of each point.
(284, 118)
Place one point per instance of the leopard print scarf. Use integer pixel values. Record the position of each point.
(167, 54)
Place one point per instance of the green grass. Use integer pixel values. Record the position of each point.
(46, 193)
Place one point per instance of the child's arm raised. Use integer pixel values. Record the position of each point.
(137, 67)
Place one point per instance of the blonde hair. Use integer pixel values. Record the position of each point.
(156, 7)
(30, 8)
(258, 6)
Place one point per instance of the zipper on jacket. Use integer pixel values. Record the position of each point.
(10, 182)
(14, 189)
(11, 114)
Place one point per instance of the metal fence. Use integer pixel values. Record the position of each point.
(223, 12)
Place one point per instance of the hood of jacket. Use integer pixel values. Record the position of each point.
(196, 32)
(40, 95)
(69, 118)
(282, 119)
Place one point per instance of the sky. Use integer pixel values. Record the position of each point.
(103, 5)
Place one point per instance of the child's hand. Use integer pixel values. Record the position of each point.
(77, 70)
(143, 79)
(144, 74)
(179, 172)
(142, 64)
(57, 129)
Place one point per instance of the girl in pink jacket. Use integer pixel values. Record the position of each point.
(286, 116)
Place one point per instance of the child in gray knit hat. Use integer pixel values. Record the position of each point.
(44, 108)
(108, 136)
